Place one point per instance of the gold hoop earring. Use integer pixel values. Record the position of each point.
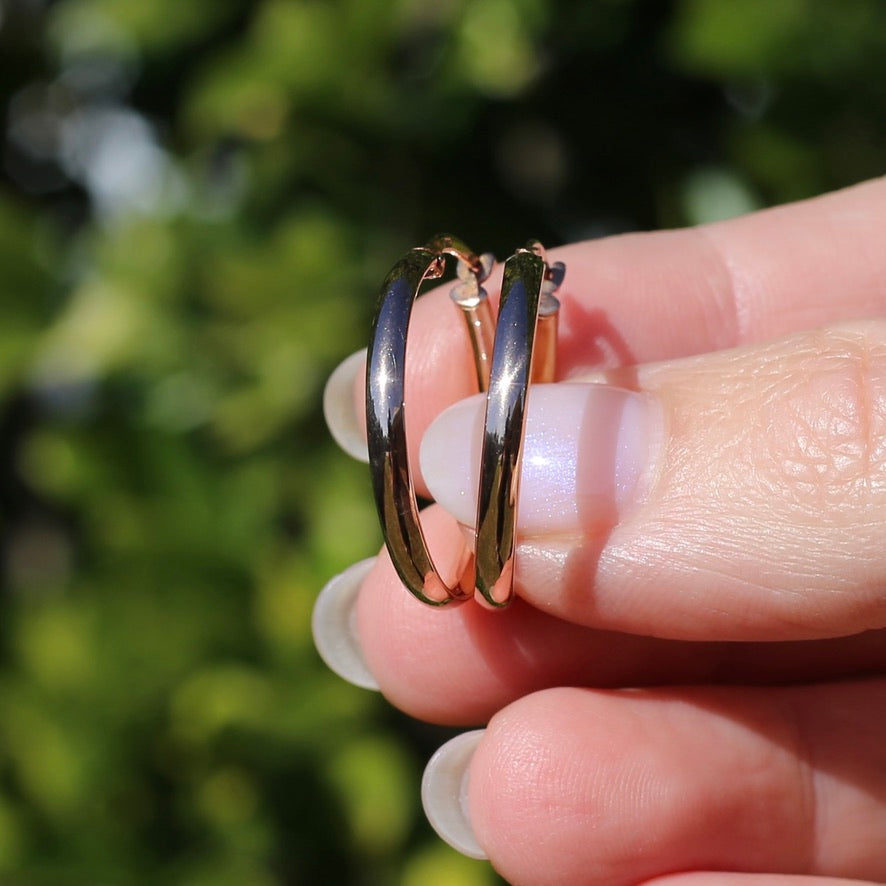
(386, 409)
(520, 349)
(524, 352)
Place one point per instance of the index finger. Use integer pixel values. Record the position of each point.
(640, 298)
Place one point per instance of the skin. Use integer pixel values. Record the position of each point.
(742, 596)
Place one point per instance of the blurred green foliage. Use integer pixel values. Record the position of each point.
(197, 201)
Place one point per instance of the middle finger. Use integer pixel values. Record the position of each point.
(459, 666)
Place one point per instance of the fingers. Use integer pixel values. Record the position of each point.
(645, 297)
(459, 666)
(763, 522)
(740, 496)
(742, 502)
(573, 786)
(715, 879)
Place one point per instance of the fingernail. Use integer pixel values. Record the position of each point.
(444, 793)
(340, 406)
(334, 626)
(587, 450)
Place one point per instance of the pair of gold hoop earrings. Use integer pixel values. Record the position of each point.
(508, 354)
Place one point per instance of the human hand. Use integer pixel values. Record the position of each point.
(706, 524)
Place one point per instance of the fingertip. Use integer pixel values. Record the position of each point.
(416, 652)
(444, 793)
(450, 456)
(588, 452)
(340, 406)
(334, 630)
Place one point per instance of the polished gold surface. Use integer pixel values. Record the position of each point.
(544, 359)
(480, 324)
(524, 276)
(386, 410)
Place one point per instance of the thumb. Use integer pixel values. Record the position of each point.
(738, 495)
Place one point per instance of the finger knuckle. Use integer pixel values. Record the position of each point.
(829, 440)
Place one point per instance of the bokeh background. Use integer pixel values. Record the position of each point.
(198, 199)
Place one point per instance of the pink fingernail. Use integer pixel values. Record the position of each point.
(340, 409)
(444, 793)
(334, 628)
(587, 451)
